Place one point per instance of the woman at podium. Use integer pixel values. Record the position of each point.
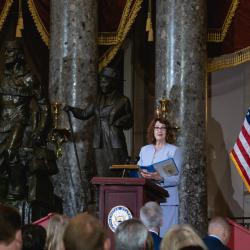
(159, 150)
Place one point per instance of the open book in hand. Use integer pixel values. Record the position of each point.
(164, 168)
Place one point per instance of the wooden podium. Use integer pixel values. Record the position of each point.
(129, 192)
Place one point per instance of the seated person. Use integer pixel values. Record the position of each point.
(34, 237)
(55, 231)
(131, 235)
(84, 231)
(151, 217)
(10, 228)
(180, 237)
(219, 232)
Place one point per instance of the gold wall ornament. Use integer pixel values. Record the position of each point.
(58, 135)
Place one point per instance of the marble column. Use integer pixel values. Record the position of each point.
(73, 81)
(181, 75)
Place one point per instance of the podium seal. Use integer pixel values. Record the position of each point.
(117, 215)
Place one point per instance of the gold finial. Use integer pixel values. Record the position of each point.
(56, 113)
(58, 135)
(163, 109)
(157, 112)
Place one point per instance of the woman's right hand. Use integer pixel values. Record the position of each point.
(151, 176)
(145, 174)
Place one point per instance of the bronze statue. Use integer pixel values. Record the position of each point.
(112, 112)
(22, 129)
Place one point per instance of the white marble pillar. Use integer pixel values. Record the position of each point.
(73, 73)
(181, 73)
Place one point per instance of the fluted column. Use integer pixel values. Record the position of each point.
(73, 73)
(181, 74)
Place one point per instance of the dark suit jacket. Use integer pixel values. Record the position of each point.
(157, 240)
(213, 243)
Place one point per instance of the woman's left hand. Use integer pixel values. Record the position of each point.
(152, 176)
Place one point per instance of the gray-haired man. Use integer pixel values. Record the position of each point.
(151, 217)
(131, 235)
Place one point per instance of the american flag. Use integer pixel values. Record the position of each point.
(240, 154)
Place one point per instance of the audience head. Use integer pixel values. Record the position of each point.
(131, 235)
(182, 236)
(151, 215)
(219, 227)
(55, 230)
(34, 237)
(85, 232)
(10, 228)
(192, 248)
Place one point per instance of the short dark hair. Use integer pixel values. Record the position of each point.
(84, 231)
(10, 223)
(150, 133)
(34, 237)
(192, 248)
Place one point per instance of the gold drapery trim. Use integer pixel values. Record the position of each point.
(111, 38)
(5, 12)
(111, 52)
(149, 25)
(220, 35)
(229, 60)
(19, 26)
(38, 22)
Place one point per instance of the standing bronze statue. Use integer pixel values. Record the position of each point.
(25, 163)
(112, 112)
(17, 88)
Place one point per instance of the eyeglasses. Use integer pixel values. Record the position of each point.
(160, 128)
